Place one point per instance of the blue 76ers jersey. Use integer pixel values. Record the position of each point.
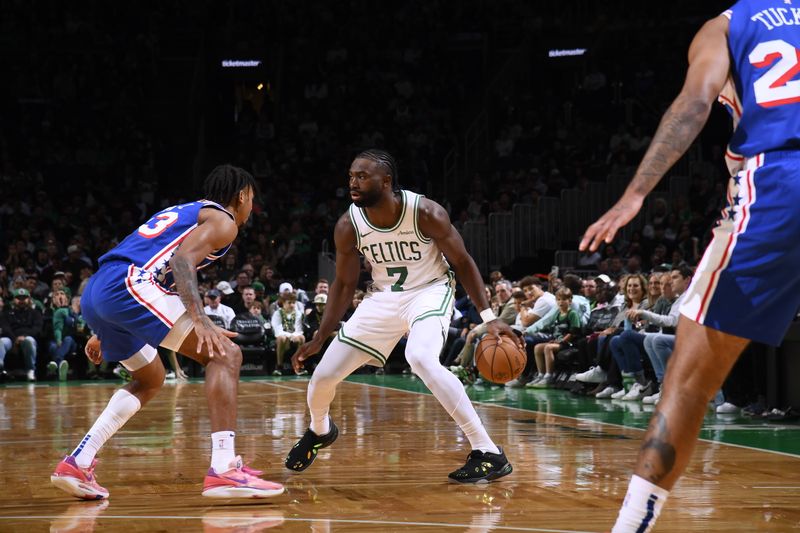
(763, 94)
(154, 243)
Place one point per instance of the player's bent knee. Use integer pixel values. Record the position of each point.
(323, 379)
(421, 361)
(230, 358)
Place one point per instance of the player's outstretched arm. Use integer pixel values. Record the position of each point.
(340, 294)
(215, 230)
(709, 65)
(434, 222)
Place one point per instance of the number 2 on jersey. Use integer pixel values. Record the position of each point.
(774, 87)
(393, 271)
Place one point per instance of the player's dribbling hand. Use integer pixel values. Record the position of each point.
(212, 336)
(497, 327)
(93, 351)
(607, 225)
(304, 352)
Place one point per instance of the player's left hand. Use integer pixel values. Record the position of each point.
(93, 350)
(497, 327)
(305, 351)
(606, 227)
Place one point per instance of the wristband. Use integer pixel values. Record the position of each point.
(487, 315)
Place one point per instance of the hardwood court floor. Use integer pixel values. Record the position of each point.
(388, 470)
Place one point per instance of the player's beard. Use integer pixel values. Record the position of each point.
(368, 198)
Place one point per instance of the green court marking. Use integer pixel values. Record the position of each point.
(781, 437)
(731, 429)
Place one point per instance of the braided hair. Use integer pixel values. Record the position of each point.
(385, 159)
(225, 182)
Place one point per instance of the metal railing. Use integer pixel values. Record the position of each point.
(326, 262)
(524, 229)
(501, 240)
(547, 231)
(566, 259)
(474, 235)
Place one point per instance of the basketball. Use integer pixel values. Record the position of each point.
(499, 362)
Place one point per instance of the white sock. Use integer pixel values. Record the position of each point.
(641, 507)
(479, 439)
(120, 408)
(320, 424)
(222, 450)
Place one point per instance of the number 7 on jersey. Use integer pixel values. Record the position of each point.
(393, 271)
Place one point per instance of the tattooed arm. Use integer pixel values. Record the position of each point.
(709, 65)
(215, 230)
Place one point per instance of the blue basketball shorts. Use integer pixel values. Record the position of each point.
(128, 310)
(748, 281)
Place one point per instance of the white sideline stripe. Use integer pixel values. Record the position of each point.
(293, 519)
(785, 454)
(278, 385)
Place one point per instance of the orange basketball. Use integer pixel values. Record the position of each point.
(499, 362)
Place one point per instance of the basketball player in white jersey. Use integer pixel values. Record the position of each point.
(405, 237)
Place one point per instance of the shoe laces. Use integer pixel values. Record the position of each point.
(238, 464)
(89, 470)
(251, 471)
(475, 454)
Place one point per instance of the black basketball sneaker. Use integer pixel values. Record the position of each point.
(305, 451)
(482, 467)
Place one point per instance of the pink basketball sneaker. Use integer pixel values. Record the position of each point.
(239, 482)
(77, 481)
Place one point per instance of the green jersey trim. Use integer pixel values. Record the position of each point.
(446, 301)
(355, 228)
(423, 239)
(361, 346)
(399, 220)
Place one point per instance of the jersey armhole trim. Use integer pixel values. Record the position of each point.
(420, 236)
(215, 205)
(355, 228)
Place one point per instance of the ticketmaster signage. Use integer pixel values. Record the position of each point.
(241, 63)
(567, 52)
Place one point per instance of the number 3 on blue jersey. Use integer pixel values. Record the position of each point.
(160, 222)
(773, 88)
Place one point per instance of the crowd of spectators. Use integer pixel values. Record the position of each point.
(600, 336)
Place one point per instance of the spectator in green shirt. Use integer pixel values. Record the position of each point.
(564, 326)
(68, 324)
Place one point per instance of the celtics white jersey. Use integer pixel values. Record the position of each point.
(402, 258)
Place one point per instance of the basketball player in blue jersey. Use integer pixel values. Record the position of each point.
(145, 295)
(406, 239)
(747, 285)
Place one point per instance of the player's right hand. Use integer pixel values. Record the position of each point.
(212, 336)
(93, 351)
(304, 352)
(606, 227)
(497, 327)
